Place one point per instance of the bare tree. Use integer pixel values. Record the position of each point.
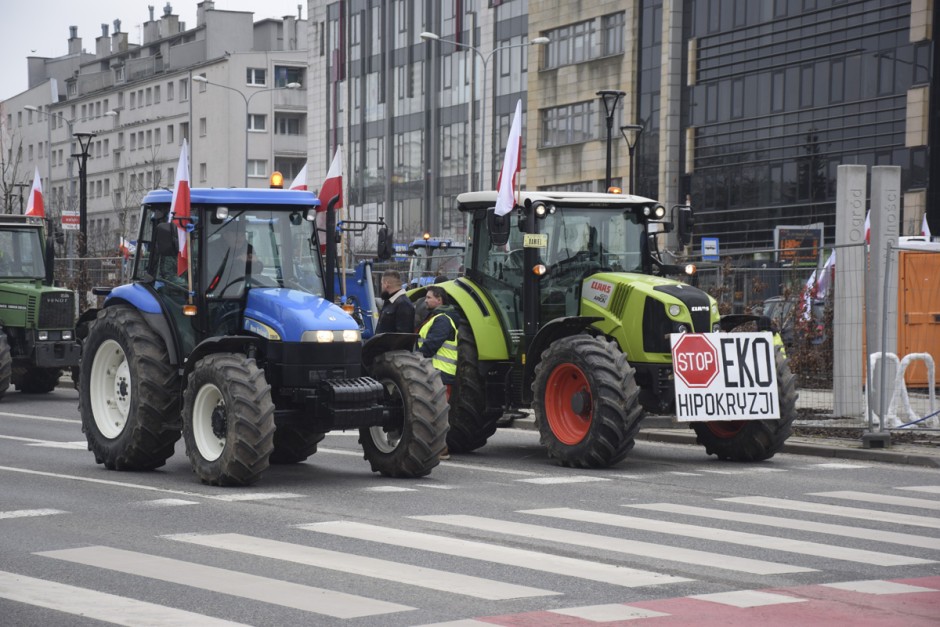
(11, 162)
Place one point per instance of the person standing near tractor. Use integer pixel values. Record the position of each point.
(398, 313)
(437, 338)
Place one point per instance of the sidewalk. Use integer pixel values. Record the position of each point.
(809, 439)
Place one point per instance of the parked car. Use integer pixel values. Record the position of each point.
(788, 317)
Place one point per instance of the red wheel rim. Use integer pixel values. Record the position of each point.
(568, 404)
(725, 429)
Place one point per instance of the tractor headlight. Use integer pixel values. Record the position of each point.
(674, 310)
(325, 337)
(682, 328)
(43, 336)
(66, 335)
(351, 335)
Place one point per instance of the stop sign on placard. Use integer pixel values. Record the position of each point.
(695, 360)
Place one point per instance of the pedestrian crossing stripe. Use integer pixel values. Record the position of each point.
(895, 518)
(930, 489)
(442, 581)
(880, 499)
(30, 513)
(746, 598)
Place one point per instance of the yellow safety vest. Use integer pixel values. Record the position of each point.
(445, 359)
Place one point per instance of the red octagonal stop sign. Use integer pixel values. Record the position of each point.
(695, 360)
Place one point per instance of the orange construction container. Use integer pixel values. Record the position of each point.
(919, 311)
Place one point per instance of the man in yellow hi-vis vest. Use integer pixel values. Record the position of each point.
(437, 338)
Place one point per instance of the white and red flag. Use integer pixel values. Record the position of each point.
(300, 181)
(34, 206)
(512, 163)
(332, 187)
(180, 207)
(925, 229)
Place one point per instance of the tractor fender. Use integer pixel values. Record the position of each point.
(143, 300)
(732, 321)
(491, 338)
(548, 334)
(244, 344)
(384, 342)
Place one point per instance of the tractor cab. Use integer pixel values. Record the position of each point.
(431, 257)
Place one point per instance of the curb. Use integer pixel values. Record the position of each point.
(837, 449)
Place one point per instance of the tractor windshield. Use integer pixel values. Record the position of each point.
(595, 239)
(260, 247)
(21, 254)
(428, 262)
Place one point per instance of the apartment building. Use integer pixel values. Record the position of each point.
(232, 87)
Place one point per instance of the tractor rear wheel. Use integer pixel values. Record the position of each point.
(294, 440)
(754, 440)
(128, 393)
(228, 420)
(36, 380)
(6, 363)
(412, 446)
(586, 402)
(470, 423)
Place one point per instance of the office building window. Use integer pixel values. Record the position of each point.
(203, 127)
(203, 172)
(568, 124)
(258, 168)
(283, 75)
(257, 122)
(256, 76)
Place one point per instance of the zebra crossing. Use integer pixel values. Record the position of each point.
(638, 578)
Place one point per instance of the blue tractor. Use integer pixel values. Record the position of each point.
(238, 348)
(432, 257)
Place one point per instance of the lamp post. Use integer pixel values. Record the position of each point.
(247, 99)
(628, 131)
(610, 98)
(538, 41)
(20, 187)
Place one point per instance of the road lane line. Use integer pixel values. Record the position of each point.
(99, 605)
(880, 499)
(860, 533)
(235, 583)
(497, 554)
(30, 513)
(618, 545)
(929, 489)
(742, 538)
(386, 570)
(46, 418)
(837, 510)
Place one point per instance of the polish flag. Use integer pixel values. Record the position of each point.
(925, 229)
(300, 181)
(34, 206)
(127, 247)
(512, 163)
(332, 187)
(180, 207)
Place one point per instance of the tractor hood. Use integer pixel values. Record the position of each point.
(647, 308)
(27, 303)
(291, 312)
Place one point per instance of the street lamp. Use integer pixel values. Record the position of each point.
(628, 131)
(21, 186)
(84, 143)
(247, 99)
(610, 97)
(538, 41)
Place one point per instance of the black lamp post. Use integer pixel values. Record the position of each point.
(20, 187)
(610, 98)
(84, 142)
(628, 131)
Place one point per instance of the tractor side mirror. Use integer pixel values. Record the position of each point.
(685, 221)
(386, 247)
(165, 238)
(498, 226)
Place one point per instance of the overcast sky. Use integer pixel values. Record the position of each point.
(41, 27)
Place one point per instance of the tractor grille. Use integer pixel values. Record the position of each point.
(56, 310)
(618, 302)
(31, 308)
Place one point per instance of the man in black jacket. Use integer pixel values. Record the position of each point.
(398, 312)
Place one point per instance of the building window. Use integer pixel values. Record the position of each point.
(288, 125)
(184, 132)
(169, 134)
(283, 75)
(568, 124)
(258, 168)
(169, 90)
(202, 127)
(256, 76)
(133, 100)
(203, 172)
(156, 95)
(256, 122)
(612, 34)
(203, 86)
(184, 90)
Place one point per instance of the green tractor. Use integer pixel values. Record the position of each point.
(567, 310)
(37, 320)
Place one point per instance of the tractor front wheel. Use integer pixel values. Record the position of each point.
(586, 402)
(128, 393)
(754, 440)
(410, 447)
(228, 420)
(6, 363)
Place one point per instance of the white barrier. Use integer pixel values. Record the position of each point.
(899, 393)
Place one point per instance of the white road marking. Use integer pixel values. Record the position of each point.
(880, 499)
(837, 510)
(76, 445)
(30, 513)
(98, 605)
(339, 451)
(46, 418)
(747, 598)
(420, 576)
(685, 474)
(878, 587)
(608, 613)
(167, 503)
(618, 545)
(242, 585)
(787, 545)
(436, 486)
(389, 488)
(563, 480)
(838, 466)
(929, 489)
(497, 554)
(255, 496)
(861, 533)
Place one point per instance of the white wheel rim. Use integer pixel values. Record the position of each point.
(208, 443)
(385, 441)
(111, 395)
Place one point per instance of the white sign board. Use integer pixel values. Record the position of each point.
(71, 221)
(724, 376)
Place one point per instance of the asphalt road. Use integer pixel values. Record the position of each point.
(501, 536)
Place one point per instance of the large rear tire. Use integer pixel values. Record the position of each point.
(36, 380)
(6, 363)
(294, 440)
(586, 402)
(470, 423)
(412, 447)
(754, 440)
(128, 393)
(228, 420)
